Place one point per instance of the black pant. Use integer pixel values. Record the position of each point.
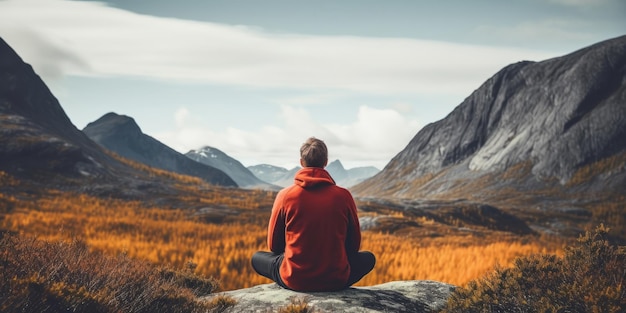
(268, 264)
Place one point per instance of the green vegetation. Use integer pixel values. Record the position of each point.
(590, 277)
(41, 276)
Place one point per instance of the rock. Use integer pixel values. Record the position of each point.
(532, 126)
(397, 296)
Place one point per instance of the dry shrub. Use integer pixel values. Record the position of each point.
(590, 277)
(220, 303)
(61, 276)
(297, 305)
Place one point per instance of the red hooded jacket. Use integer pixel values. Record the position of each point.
(315, 223)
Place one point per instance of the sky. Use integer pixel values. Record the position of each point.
(256, 78)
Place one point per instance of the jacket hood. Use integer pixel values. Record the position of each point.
(313, 176)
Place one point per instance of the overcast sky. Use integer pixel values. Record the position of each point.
(256, 78)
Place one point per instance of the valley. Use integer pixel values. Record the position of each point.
(517, 169)
(218, 229)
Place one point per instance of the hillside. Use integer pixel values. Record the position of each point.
(43, 153)
(122, 135)
(555, 126)
(42, 147)
(36, 133)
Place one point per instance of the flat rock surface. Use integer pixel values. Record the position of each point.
(397, 296)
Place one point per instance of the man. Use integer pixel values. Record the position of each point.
(313, 232)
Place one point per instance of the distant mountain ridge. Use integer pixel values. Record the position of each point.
(240, 174)
(532, 125)
(267, 172)
(350, 177)
(122, 135)
(344, 178)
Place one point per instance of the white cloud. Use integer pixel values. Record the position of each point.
(61, 37)
(373, 138)
(94, 39)
(50, 61)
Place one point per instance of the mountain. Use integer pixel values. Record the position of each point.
(351, 177)
(35, 132)
(240, 174)
(556, 127)
(122, 135)
(39, 142)
(42, 150)
(282, 177)
(268, 173)
(287, 178)
(278, 176)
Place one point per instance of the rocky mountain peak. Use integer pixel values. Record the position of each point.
(117, 122)
(209, 152)
(336, 164)
(122, 135)
(240, 174)
(113, 125)
(337, 171)
(557, 115)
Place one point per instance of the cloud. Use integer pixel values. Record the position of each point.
(50, 60)
(373, 138)
(104, 41)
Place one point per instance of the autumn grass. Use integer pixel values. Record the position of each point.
(175, 237)
(456, 260)
(41, 276)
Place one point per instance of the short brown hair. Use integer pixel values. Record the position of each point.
(314, 153)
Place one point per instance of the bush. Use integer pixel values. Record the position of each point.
(41, 276)
(591, 277)
(297, 305)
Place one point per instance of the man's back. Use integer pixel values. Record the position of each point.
(313, 233)
(315, 223)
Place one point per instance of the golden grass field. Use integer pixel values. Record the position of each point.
(222, 250)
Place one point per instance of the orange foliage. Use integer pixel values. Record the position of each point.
(175, 237)
(455, 261)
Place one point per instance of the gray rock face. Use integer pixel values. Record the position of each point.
(398, 296)
(122, 135)
(556, 115)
